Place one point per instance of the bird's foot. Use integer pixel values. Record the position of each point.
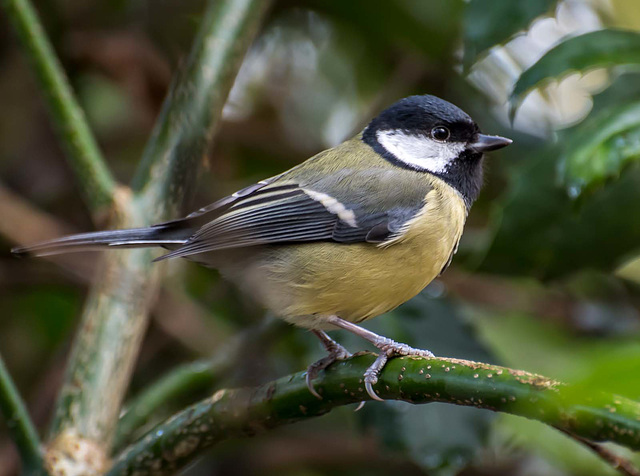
(335, 352)
(388, 349)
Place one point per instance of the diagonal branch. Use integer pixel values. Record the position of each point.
(116, 313)
(245, 412)
(19, 424)
(622, 465)
(93, 176)
(189, 379)
(193, 108)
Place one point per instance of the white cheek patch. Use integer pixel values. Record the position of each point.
(420, 152)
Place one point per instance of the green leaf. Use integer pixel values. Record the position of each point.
(525, 341)
(402, 23)
(538, 230)
(598, 49)
(601, 148)
(541, 232)
(485, 24)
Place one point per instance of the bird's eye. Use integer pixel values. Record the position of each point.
(440, 133)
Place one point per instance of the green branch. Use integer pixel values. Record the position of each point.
(104, 352)
(116, 314)
(192, 110)
(19, 424)
(191, 378)
(188, 379)
(93, 176)
(245, 412)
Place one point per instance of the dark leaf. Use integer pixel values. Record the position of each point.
(542, 233)
(601, 147)
(598, 49)
(540, 230)
(426, 27)
(486, 25)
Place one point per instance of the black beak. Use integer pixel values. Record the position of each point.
(488, 143)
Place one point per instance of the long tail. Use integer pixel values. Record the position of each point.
(158, 235)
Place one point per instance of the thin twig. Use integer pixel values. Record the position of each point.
(93, 176)
(617, 462)
(19, 423)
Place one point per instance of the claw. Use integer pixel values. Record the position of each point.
(371, 375)
(369, 387)
(336, 352)
(359, 407)
(309, 380)
(388, 349)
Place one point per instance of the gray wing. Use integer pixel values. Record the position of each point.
(285, 212)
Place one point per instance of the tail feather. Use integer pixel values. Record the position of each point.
(130, 238)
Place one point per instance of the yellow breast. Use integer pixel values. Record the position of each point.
(305, 283)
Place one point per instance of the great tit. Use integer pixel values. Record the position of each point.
(347, 235)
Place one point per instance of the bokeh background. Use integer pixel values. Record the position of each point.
(546, 278)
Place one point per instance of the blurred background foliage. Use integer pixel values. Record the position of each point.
(547, 278)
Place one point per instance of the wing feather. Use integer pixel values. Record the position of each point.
(282, 215)
(284, 212)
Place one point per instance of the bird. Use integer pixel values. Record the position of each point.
(348, 235)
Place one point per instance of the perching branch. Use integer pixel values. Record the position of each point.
(94, 178)
(194, 377)
(19, 424)
(245, 412)
(188, 379)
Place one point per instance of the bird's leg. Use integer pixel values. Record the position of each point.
(336, 352)
(389, 348)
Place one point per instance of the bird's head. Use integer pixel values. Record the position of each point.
(428, 134)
